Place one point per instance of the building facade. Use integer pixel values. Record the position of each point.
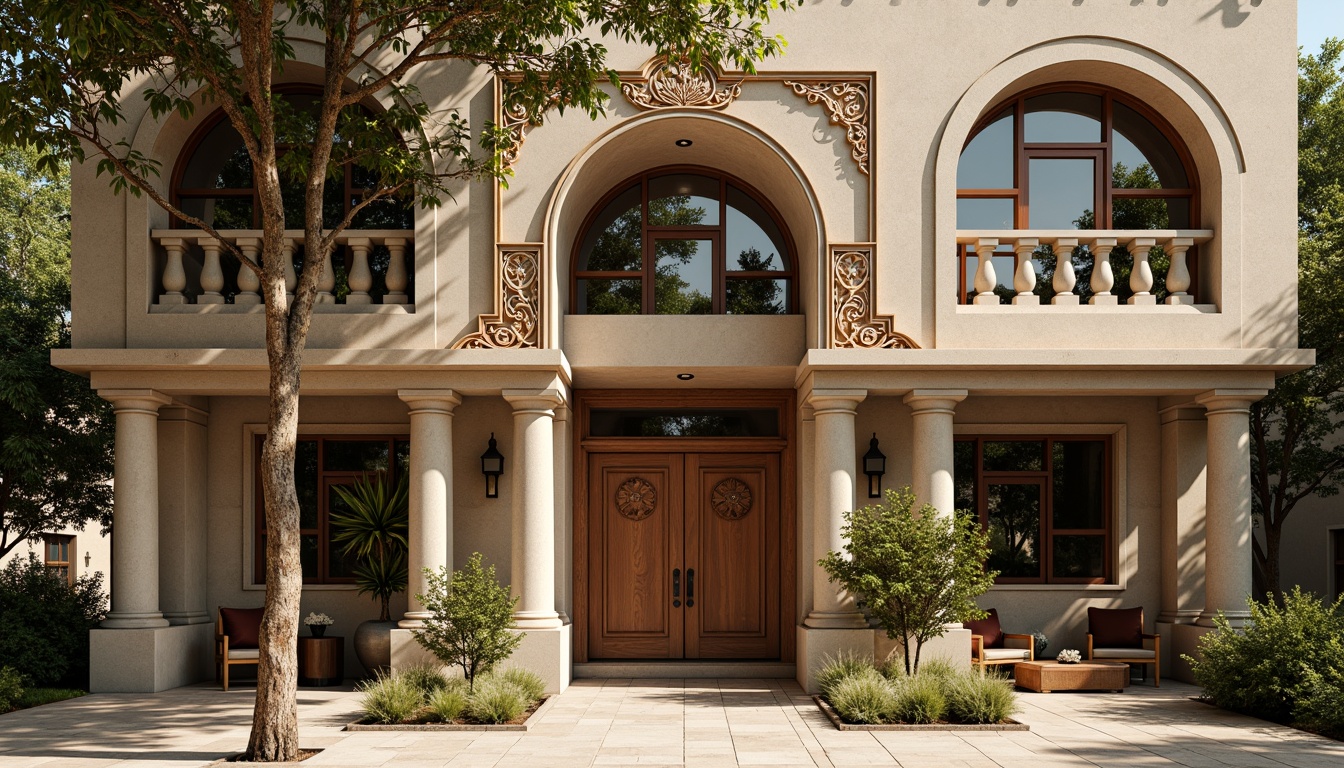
(1042, 253)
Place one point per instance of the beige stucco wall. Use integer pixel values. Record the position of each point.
(1306, 558)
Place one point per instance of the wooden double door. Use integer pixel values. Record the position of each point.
(683, 556)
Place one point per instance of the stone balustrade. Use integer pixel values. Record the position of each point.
(1029, 247)
(192, 256)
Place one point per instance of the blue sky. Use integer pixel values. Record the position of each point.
(1317, 20)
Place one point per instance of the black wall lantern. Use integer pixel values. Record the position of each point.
(492, 466)
(874, 466)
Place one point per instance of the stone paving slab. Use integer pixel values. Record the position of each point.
(691, 723)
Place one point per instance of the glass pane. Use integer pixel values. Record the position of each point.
(402, 451)
(354, 455)
(754, 242)
(1142, 154)
(963, 474)
(338, 564)
(610, 297)
(219, 212)
(1079, 472)
(683, 200)
(308, 551)
(757, 297)
(684, 279)
(985, 213)
(389, 213)
(1014, 511)
(305, 482)
(219, 162)
(614, 241)
(1063, 193)
(1078, 557)
(1063, 118)
(647, 422)
(292, 195)
(1014, 456)
(987, 162)
(1150, 213)
(53, 551)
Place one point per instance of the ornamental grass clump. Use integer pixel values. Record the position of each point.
(390, 699)
(529, 682)
(496, 700)
(920, 699)
(867, 698)
(427, 678)
(447, 704)
(980, 700)
(939, 692)
(842, 665)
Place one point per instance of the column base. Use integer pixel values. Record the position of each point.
(1065, 299)
(1027, 299)
(1181, 299)
(1235, 618)
(187, 617)
(549, 653)
(150, 660)
(1144, 300)
(414, 619)
(1184, 642)
(836, 620)
(129, 620)
(953, 647)
(987, 298)
(1189, 616)
(537, 620)
(817, 646)
(1104, 300)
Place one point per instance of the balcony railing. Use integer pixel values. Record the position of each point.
(1060, 252)
(197, 269)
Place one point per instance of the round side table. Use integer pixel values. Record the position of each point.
(321, 660)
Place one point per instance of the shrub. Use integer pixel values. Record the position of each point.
(45, 622)
(939, 667)
(893, 668)
(866, 698)
(980, 700)
(11, 688)
(529, 682)
(448, 703)
(470, 622)
(920, 699)
(842, 665)
(426, 678)
(390, 699)
(497, 700)
(1286, 665)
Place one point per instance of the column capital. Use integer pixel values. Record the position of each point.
(1230, 400)
(147, 400)
(534, 399)
(934, 400)
(1187, 411)
(835, 400)
(430, 400)
(806, 412)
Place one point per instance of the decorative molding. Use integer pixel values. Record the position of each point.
(516, 321)
(849, 107)
(514, 119)
(731, 499)
(635, 499)
(675, 82)
(853, 322)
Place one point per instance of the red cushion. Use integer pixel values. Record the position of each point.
(242, 625)
(987, 628)
(1115, 627)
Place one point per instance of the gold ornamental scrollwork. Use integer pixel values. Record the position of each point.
(516, 321)
(731, 499)
(848, 106)
(636, 498)
(676, 82)
(854, 323)
(514, 119)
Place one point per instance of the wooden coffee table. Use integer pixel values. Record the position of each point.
(1047, 676)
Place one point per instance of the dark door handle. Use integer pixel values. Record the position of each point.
(690, 587)
(676, 587)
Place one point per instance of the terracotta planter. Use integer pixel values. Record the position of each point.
(373, 645)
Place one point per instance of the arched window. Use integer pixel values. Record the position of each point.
(1073, 156)
(212, 180)
(683, 241)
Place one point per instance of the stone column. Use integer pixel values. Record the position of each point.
(564, 528)
(833, 495)
(135, 510)
(1227, 530)
(182, 513)
(1184, 484)
(932, 447)
(430, 532)
(807, 563)
(533, 487)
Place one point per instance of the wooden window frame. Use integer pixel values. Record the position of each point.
(984, 478)
(60, 540)
(716, 232)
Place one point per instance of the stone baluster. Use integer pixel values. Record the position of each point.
(985, 279)
(327, 282)
(1065, 279)
(291, 278)
(248, 282)
(1141, 274)
(1024, 279)
(1178, 274)
(396, 271)
(361, 278)
(212, 274)
(174, 276)
(1103, 278)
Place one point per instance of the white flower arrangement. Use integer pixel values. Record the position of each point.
(318, 619)
(1069, 656)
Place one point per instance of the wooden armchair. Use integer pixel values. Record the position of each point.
(236, 631)
(1116, 634)
(991, 646)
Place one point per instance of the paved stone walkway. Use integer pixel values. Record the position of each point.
(706, 723)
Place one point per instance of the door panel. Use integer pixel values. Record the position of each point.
(636, 525)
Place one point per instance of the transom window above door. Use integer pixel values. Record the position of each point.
(683, 241)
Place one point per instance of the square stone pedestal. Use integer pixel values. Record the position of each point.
(1185, 641)
(816, 646)
(954, 646)
(548, 652)
(150, 660)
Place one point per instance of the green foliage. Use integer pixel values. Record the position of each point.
(836, 668)
(11, 688)
(497, 700)
(977, 699)
(372, 528)
(938, 692)
(939, 667)
(45, 622)
(390, 699)
(427, 678)
(471, 619)
(920, 699)
(915, 572)
(865, 698)
(1286, 665)
(447, 704)
(527, 681)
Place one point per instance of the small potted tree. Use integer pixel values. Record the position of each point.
(372, 528)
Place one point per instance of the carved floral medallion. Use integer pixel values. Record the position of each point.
(516, 321)
(731, 499)
(855, 323)
(635, 498)
(675, 82)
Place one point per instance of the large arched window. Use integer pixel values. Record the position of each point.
(1073, 156)
(683, 241)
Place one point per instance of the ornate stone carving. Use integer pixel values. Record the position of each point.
(516, 321)
(675, 82)
(853, 322)
(513, 118)
(731, 499)
(847, 103)
(635, 498)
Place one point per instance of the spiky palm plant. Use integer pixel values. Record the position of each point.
(372, 529)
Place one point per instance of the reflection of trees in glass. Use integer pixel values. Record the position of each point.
(755, 297)
(1014, 512)
(1078, 557)
(620, 248)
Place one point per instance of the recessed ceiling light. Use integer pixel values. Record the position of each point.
(684, 142)
(685, 376)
